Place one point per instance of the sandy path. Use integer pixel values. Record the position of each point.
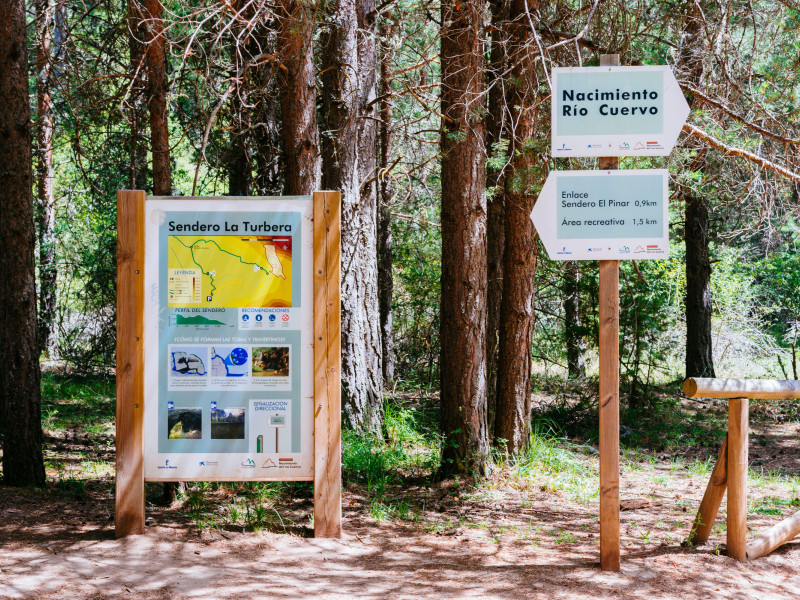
(372, 562)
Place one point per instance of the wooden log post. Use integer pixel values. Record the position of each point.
(774, 537)
(737, 478)
(709, 507)
(708, 387)
(129, 500)
(609, 393)
(327, 366)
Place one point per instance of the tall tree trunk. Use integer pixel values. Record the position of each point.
(298, 85)
(136, 49)
(385, 277)
(575, 342)
(512, 429)
(699, 345)
(20, 396)
(349, 162)
(495, 228)
(157, 87)
(463, 300)
(46, 206)
(265, 133)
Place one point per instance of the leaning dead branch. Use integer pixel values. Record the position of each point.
(741, 153)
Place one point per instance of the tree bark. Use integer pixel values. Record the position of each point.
(136, 50)
(495, 228)
(386, 194)
(463, 300)
(46, 205)
(512, 428)
(240, 177)
(348, 154)
(699, 344)
(20, 396)
(157, 88)
(576, 344)
(298, 85)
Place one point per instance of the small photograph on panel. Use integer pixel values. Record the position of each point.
(227, 423)
(185, 423)
(188, 361)
(271, 361)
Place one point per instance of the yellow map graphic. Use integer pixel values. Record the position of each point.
(229, 271)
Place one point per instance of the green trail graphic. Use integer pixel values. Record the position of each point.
(196, 320)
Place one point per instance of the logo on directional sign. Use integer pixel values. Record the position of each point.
(601, 215)
(616, 111)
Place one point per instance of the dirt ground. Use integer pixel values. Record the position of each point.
(503, 541)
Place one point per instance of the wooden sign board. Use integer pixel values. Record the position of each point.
(236, 315)
(604, 215)
(616, 111)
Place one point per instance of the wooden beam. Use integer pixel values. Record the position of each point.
(709, 507)
(609, 392)
(708, 387)
(129, 503)
(774, 537)
(737, 478)
(327, 366)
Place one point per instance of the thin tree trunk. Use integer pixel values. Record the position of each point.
(349, 150)
(576, 344)
(385, 277)
(495, 228)
(46, 206)
(157, 88)
(20, 396)
(298, 85)
(512, 429)
(240, 179)
(699, 344)
(463, 300)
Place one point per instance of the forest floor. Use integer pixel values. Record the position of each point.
(528, 531)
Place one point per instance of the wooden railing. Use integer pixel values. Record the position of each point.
(730, 470)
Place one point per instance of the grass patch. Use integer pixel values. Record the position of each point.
(552, 463)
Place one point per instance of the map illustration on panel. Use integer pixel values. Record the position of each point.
(227, 361)
(229, 271)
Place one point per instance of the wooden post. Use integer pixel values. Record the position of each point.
(737, 478)
(327, 366)
(129, 504)
(609, 393)
(774, 537)
(707, 514)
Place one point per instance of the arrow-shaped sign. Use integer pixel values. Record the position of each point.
(604, 215)
(616, 111)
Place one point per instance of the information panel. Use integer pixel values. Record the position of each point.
(228, 339)
(604, 215)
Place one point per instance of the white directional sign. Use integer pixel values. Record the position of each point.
(604, 215)
(616, 111)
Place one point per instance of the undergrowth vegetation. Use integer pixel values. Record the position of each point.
(395, 476)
